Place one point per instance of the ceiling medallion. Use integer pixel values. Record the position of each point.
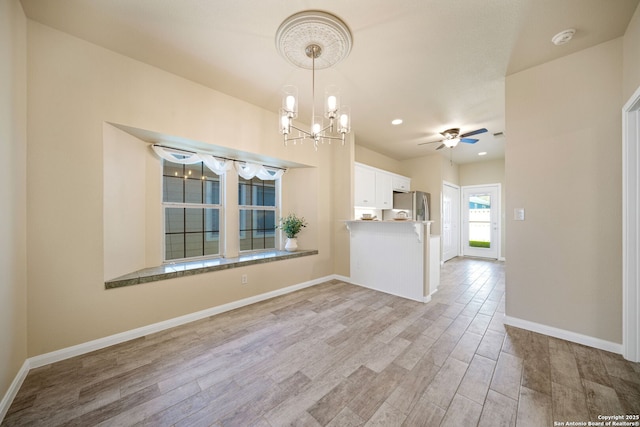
(313, 27)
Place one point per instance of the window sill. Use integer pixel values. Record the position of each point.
(172, 271)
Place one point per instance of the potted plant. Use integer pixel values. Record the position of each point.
(291, 225)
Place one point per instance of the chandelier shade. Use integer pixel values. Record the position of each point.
(314, 40)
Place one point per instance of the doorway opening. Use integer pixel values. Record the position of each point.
(481, 221)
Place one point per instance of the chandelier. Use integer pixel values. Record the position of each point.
(314, 40)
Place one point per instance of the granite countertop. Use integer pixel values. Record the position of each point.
(180, 269)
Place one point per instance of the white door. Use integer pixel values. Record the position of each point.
(450, 221)
(481, 220)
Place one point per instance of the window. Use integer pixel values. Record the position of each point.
(257, 200)
(191, 201)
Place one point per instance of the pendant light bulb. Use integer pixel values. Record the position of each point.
(344, 121)
(290, 102)
(344, 125)
(284, 122)
(331, 102)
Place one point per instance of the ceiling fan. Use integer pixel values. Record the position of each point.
(452, 137)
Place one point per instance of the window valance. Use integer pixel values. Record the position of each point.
(249, 170)
(217, 165)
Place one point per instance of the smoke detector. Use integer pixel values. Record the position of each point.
(563, 37)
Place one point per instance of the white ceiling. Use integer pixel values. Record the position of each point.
(436, 64)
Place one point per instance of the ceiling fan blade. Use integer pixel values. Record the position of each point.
(468, 140)
(441, 146)
(430, 142)
(474, 132)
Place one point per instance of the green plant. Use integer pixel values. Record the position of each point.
(291, 225)
(479, 244)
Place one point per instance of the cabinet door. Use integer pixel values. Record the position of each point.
(384, 191)
(365, 187)
(401, 183)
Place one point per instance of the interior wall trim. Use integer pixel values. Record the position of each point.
(87, 347)
(563, 334)
(11, 393)
(631, 228)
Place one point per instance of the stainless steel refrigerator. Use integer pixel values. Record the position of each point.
(414, 203)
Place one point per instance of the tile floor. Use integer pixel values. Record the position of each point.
(340, 355)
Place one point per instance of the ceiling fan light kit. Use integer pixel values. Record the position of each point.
(450, 143)
(452, 137)
(314, 40)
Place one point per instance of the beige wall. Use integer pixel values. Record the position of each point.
(631, 61)
(563, 164)
(488, 172)
(13, 188)
(75, 87)
(450, 171)
(125, 216)
(342, 205)
(372, 158)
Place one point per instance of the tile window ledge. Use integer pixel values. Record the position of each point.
(180, 269)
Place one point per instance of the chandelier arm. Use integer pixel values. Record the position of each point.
(329, 126)
(307, 134)
(297, 138)
(331, 137)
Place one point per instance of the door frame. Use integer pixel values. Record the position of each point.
(458, 188)
(631, 228)
(498, 187)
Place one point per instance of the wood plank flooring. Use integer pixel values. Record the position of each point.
(340, 355)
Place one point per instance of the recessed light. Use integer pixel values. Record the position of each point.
(396, 122)
(482, 153)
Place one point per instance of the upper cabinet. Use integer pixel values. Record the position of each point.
(384, 191)
(374, 187)
(365, 187)
(401, 183)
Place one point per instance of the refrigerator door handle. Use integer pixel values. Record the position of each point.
(425, 207)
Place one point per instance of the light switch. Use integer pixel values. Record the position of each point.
(518, 214)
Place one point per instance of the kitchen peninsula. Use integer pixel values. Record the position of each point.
(397, 257)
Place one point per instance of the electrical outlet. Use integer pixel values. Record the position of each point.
(244, 280)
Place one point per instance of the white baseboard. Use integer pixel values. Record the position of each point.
(341, 278)
(77, 350)
(564, 334)
(5, 403)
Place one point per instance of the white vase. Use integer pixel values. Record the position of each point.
(291, 245)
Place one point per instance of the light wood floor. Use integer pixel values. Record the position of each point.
(340, 355)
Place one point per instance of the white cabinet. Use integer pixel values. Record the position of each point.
(365, 187)
(384, 191)
(374, 187)
(401, 183)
